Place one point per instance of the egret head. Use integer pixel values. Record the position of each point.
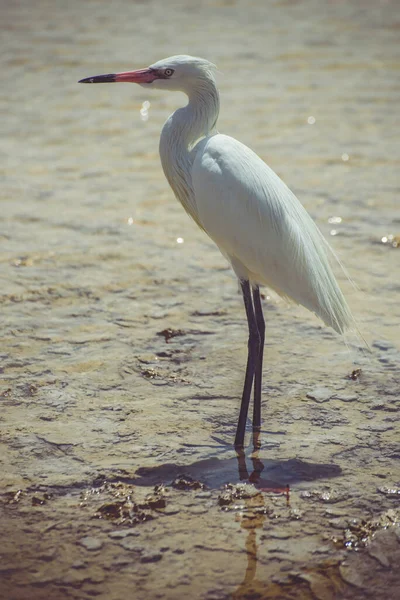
(178, 73)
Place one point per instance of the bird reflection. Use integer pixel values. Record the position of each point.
(258, 467)
(250, 583)
(252, 518)
(255, 476)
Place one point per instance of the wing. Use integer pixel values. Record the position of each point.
(259, 224)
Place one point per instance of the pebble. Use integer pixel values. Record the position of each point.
(78, 564)
(280, 535)
(378, 405)
(332, 512)
(377, 552)
(198, 510)
(151, 557)
(346, 397)
(320, 394)
(339, 523)
(295, 514)
(328, 496)
(91, 543)
(123, 533)
(390, 491)
(351, 574)
(74, 577)
(282, 579)
(377, 427)
(322, 550)
(131, 544)
(171, 510)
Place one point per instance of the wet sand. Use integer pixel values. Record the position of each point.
(100, 407)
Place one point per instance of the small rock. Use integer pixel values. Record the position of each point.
(355, 374)
(171, 510)
(377, 427)
(339, 523)
(328, 496)
(185, 482)
(91, 543)
(147, 359)
(198, 510)
(151, 557)
(322, 550)
(320, 394)
(320, 585)
(346, 397)
(123, 533)
(282, 579)
(390, 492)
(376, 552)
(378, 405)
(131, 544)
(225, 498)
(154, 502)
(170, 333)
(333, 512)
(74, 578)
(295, 514)
(280, 535)
(351, 574)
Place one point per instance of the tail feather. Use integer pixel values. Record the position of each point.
(311, 256)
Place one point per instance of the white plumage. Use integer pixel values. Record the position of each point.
(262, 228)
(246, 209)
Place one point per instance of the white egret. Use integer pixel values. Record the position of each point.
(255, 220)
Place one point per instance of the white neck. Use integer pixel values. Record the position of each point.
(180, 134)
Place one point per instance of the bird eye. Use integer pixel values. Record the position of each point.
(168, 72)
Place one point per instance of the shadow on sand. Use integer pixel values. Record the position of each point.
(215, 472)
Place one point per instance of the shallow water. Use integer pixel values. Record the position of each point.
(97, 404)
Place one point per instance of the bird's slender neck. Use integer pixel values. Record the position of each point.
(180, 134)
(199, 117)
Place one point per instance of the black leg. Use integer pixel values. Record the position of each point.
(241, 458)
(258, 370)
(253, 351)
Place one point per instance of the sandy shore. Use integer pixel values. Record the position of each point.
(98, 408)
